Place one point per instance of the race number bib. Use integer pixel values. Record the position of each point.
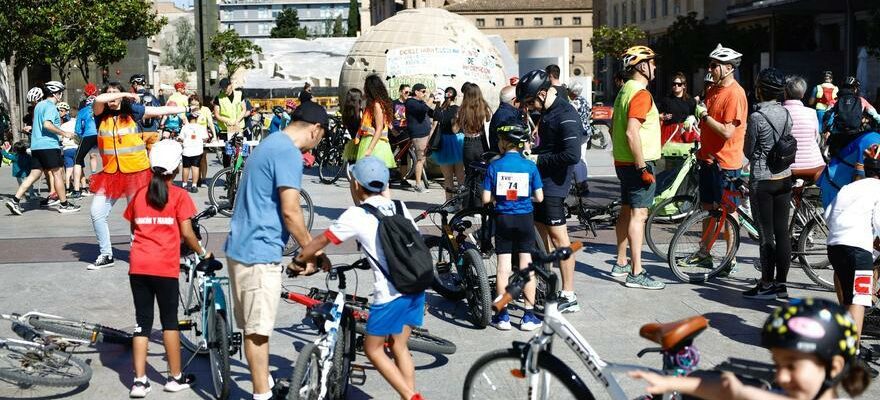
(512, 185)
(863, 283)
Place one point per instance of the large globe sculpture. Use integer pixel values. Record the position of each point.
(427, 45)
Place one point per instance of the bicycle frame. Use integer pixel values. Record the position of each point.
(57, 338)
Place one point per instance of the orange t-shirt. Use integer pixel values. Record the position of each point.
(639, 105)
(727, 105)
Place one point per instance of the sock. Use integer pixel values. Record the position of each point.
(568, 294)
(177, 378)
(263, 396)
(271, 382)
(142, 379)
(65, 203)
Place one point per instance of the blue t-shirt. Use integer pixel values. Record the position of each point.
(148, 99)
(840, 170)
(41, 139)
(257, 232)
(85, 122)
(516, 178)
(278, 123)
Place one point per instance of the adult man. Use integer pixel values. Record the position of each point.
(149, 126)
(398, 124)
(553, 71)
(46, 150)
(507, 111)
(418, 123)
(179, 96)
(557, 153)
(266, 212)
(723, 131)
(229, 112)
(87, 131)
(635, 137)
(824, 95)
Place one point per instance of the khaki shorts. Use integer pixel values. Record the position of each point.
(421, 146)
(256, 291)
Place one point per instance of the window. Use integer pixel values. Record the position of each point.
(577, 46)
(664, 7)
(616, 16)
(623, 9)
(643, 13)
(516, 47)
(518, 22)
(653, 9)
(676, 7)
(539, 21)
(481, 22)
(499, 22)
(557, 21)
(576, 20)
(578, 72)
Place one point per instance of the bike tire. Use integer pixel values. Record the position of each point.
(479, 385)
(813, 239)
(55, 368)
(308, 211)
(481, 234)
(221, 199)
(218, 351)
(94, 333)
(447, 281)
(190, 305)
(681, 246)
(343, 357)
(331, 166)
(420, 340)
(661, 224)
(477, 295)
(305, 382)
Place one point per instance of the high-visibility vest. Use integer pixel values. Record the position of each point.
(121, 146)
(230, 109)
(650, 131)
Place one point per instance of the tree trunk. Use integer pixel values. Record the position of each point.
(12, 71)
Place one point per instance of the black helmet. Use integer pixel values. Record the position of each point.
(851, 82)
(513, 132)
(771, 81)
(277, 110)
(531, 83)
(138, 79)
(815, 326)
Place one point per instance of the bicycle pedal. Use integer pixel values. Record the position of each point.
(358, 375)
(235, 340)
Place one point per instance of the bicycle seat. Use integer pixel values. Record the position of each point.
(209, 265)
(461, 226)
(673, 334)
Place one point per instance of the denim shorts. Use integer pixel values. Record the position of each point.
(634, 192)
(714, 181)
(389, 318)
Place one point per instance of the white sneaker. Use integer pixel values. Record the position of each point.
(103, 261)
(139, 389)
(182, 383)
(568, 303)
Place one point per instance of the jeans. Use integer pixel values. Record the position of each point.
(101, 206)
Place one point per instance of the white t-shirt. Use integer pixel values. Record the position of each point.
(68, 143)
(854, 215)
(193, 136)
(363, 226)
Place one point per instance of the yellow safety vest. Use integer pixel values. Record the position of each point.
(649, 132)
(230, 109)
(121, 146)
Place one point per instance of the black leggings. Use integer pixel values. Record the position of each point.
(771, 207)
(144, 289)
(87, 144)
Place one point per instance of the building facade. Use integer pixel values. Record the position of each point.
(255, 18)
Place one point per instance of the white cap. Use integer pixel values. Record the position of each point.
(166, 155)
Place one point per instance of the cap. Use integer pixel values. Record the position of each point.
(224, 83)
(166, 155)
(179, 85)
(312, 113)
(90, 90)
(418, 86)
(371, 173)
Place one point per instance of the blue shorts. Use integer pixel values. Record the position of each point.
(633, 191)
(69, 158)
(389, 318)
(713, 182)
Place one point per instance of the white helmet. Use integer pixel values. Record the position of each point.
(54, 87)
(725, 55)
(34, 95)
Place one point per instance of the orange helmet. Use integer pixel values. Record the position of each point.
(636, 54)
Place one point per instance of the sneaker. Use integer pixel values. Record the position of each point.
(177, 384)
(193, 189)
(696, 260)
(405, 183)
(86, 192)
(103, 261)
(76, 194)
(50, 201)
(139, 389)
(781, 291)
(621, 270)
(568, 303)
(761, 292)
(529, 322)
(501, 321)
(728, 270)
(643, 281)
(68, 208)
(14, 206)
(421, 189)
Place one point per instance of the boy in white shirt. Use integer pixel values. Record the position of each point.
(193, 136)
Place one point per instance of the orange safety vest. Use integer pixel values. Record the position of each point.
(121, 146)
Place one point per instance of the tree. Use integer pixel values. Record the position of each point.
(608, 41)
(180, 48)
(338, 30)
(233, 51)
(287, 25)
(354, 18)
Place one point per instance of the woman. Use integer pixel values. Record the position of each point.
(677, 113)
(372, 136)
(205, 119)
(352, 110)
(770, 193)
(808, 162)
(449, 155)
(471, 121)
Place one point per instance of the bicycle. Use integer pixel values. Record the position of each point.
(65, 332)
(38, 361)
(208, 319)
(405, 154)
(329, 154)
(530, 368)
(190, 297)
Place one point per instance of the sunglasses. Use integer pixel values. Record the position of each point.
(677, 83)
(406, 92)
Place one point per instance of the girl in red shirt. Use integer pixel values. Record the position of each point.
(159, 215)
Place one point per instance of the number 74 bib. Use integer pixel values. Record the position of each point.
(512, 185)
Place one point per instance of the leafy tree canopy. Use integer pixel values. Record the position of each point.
(233, 51)
(287, 25)
(608, 41)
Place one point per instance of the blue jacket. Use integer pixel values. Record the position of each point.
(505, 113)
(21, 164)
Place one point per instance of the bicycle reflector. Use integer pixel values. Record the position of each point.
(518, 373)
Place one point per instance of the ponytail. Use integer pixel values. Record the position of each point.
(157, 192)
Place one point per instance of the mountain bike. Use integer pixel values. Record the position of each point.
(208, 320)
(329, 154)
(531, 370)
(38, 361)
(64, 332)
(405, 155)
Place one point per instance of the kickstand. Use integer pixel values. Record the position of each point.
(202, 346)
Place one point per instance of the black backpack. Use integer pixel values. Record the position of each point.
(410, 266)
(847, 123)
(782, 154)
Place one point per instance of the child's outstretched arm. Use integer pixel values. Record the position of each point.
(728, 387)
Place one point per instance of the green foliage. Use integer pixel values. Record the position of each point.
(233, 51)
(180, 49)
(287, 25)
(338, 29)
(608, 41)
(354, 18)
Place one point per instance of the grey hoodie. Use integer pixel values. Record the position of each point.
(760, 137)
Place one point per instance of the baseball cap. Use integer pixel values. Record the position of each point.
(166, 155)
(224, 83)
(371, 173)
(312, 113)
(418, 86)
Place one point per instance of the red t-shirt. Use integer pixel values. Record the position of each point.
(155, 249)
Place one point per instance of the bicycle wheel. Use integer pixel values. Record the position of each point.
(479, 299)
(191, 309)
(305, 383)
(343, 357)
(422, 341)
(218, 349)
(221, 191)
(481, 233)
(664, 219)
(688, 258)
(94, 333)
(812, 252)
(29, 364)
(331, 166)
(308, 211)
(447, 281)
(494, 376)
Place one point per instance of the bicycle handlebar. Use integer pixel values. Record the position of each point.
(515, 288)
(209, 212)
(359, 264)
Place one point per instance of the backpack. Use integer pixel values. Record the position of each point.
(847, 123)
(410, 267)
(782, 154)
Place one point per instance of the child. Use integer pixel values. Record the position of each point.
(159, 215)
(392, 313)
(813, 343)
(21, 164)
(513, 182)
(193, 136)
(172, 123)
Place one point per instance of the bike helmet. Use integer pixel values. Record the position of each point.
(62, 106)
(726, 55)
(872, 160)
(771, 81)
(35, 95)
(54, 87)
(851, 82)
(138, 79)
(277, 110)
(531, 83)
(514, 133)
(290, 104)
(636, 54)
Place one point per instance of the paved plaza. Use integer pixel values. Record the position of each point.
(43, 255)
